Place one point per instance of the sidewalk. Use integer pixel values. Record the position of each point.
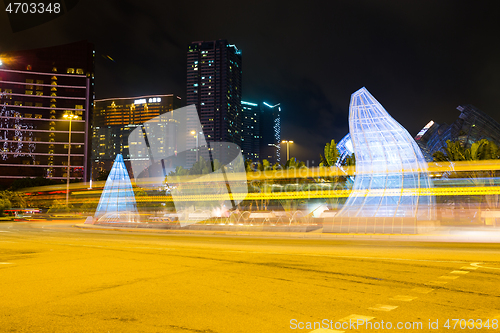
(476, 235)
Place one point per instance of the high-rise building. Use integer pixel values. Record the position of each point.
(37, 89)
(115, 118)
(270, 129)
(261, 131)
(250, 132)
(214, 86)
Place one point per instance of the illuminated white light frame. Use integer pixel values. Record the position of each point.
(384, 148)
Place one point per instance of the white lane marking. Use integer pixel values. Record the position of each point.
(383, 307)
(422, 290)
(477, 266)
(468, 267)
(459, 272)
(355, 317)
(404, 298)
(436, 283)
(322, 330)
(4, 231)
(5, 263)
(449, 277)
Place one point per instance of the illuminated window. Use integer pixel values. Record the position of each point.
(52, 123)
(38, 105)
(54, 69)
(18, 103)
(53, 89)
(70, 71)
(28, 115)
(54, 78)
(54, 83)
(39, 116)
(78, 106)
(79, 71)
(29, 92)
(39, 93)
(53, 94)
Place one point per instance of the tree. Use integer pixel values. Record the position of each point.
(479, 151)
(331, 154)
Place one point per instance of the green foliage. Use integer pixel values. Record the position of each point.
(4, 204)
(331, 155)
(480, 150)
(59, 207)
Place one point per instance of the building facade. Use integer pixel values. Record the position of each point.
(270, 129)
(38, 88)
(250, 131)
(471, 126)
(214, 85)
(261, 131)
(116, 118)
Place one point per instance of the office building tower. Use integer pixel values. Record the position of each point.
(270, 129)
(214, 86)
(39, 89)
(115, 118)
(250, 132)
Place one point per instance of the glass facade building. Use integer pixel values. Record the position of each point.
(116, 118)
(261, 132)
(37, 88)
(389, 166)
(214, 85)
(471, 126)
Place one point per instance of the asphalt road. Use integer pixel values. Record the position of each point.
(57, 278)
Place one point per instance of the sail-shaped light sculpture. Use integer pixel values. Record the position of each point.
(387, 194)
(117, 203)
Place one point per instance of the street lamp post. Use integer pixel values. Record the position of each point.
(70, 117)
(196, 137)
(288, 142)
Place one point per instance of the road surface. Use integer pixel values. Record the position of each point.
(57, 278)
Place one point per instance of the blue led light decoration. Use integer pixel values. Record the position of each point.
(390, 174)
(117, 203)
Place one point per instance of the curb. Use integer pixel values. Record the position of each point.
(441, 237)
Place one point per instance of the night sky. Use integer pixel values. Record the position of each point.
(420, 59)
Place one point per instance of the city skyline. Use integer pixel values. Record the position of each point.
(308, 57)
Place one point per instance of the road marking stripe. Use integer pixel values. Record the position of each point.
(422, 290)
(459, 272)
(383, 307)
(468, 267)
(477, 266)
(449, 277)
(434, 283)
(404, 298)
(5, 263)
(355, 317)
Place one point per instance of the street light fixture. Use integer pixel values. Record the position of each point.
(196, 137)
(288, 142)
(70, 117)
